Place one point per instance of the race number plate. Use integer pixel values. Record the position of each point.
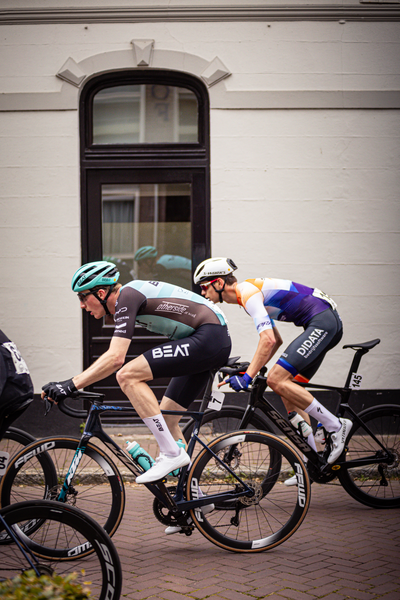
(4, 458)
(216, 401)
(355, 381)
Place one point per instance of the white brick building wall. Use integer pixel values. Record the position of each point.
(302, 186)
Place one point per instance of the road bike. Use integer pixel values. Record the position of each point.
(369, 467)
(51, 538)
(232, 492)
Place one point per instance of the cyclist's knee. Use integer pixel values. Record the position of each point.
(126, 376)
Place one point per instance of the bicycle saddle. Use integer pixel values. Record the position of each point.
(364, 345)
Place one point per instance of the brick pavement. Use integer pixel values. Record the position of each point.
(343, 551)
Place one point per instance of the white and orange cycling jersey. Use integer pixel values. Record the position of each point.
(266, 299)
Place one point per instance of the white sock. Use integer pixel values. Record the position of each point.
(159, 429)
(322, 414)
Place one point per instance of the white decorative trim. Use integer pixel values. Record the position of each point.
(199, 13)
(142, 50)
(220, 98)
(215, 72)
(71, 72)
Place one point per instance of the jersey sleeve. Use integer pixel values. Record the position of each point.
(252, 300)
(126, 309)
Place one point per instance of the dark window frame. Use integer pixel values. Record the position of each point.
(199, 151)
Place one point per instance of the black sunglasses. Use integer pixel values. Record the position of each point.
(82, 297)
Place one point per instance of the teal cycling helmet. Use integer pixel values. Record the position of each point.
(93, 275)
(145, 252)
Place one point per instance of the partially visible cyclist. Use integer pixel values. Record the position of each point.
(171, 268)
(199, 342)
(266, 299)
(16, 387)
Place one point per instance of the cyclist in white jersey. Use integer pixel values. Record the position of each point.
(266, 300)
(198, 342)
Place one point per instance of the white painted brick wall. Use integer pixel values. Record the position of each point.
(40, 240)
(301, 194)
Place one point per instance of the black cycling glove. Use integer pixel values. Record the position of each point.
(57, 390)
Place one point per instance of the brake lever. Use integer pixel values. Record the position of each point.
(48, 405)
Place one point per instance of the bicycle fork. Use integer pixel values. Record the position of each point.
(67, 488)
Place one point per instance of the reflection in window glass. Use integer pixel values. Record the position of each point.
(144, 114)
(147, 231)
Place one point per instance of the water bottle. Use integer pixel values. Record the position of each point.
(176, 472)
(144, 459)
(299, 423)
(320, 434)
(140, 455)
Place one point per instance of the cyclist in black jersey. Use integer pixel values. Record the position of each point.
(198, 342)
(16, 387)
(267, 300)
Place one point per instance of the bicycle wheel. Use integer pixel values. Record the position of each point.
(249, 523)
(12, 442)
(59, 545)
(96, 487)
(376, 485)
(216, 423)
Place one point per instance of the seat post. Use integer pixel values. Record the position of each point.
(355, 364)
(207, 392)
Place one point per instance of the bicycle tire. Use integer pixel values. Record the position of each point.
(18, 436)
(366, 484)
(58, 546)
(216, 423)
(249, 524)
(13, 441)
(96, 488)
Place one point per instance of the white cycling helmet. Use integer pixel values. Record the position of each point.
(213, 267)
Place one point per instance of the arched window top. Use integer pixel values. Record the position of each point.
(145, 114)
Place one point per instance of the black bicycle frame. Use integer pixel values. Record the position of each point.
(257, 400)
(176, 504)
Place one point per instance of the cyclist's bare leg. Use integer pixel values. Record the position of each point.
(132, 379)
(281, 382)
(172, 421)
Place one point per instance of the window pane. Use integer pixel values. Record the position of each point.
(137, 216)
(145, 114)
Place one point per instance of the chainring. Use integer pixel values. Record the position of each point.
(165, 516)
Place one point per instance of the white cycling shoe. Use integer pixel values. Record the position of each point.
(163, 466)
(291, 481)
(177, 528)
(338, 439)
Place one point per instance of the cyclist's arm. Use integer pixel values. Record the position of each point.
(270, 338)
(268, 344)
(105, 365)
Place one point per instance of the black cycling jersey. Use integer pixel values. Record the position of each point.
(15, 381)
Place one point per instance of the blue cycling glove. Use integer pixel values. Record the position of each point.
(238, 383)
